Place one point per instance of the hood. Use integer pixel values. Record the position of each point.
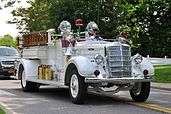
(9, 58)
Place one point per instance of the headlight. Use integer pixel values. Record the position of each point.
(16, 62)
(138, 59)
(99, 59)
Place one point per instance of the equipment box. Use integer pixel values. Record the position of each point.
(36, 52)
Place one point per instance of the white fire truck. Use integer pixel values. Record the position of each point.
(50, 59)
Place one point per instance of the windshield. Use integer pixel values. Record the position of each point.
(8, 52)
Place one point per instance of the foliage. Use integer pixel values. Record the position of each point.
(7, 40)
(34, 18)
(148, 22)
(8, 3)
(162, 73)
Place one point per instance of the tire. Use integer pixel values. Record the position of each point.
(27, 86)
(140, 92)
(77, 87)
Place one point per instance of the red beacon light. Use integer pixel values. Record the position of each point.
(79, 22)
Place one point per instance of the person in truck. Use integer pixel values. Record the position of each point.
(92, 32)
(67, 38)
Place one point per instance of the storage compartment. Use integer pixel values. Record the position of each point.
(37, 52)
(45, 72)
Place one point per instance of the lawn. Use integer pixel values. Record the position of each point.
(1, 111)
(162, 73)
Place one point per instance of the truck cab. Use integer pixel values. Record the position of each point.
(80, 65)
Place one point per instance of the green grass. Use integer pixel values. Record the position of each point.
(162, 73)
(1, 111)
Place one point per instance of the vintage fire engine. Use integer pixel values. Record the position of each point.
(66, 60)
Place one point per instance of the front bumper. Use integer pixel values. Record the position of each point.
(8, 71)
(116, 80)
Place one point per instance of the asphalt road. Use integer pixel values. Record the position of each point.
(50, 100)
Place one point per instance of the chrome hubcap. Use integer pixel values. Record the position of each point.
(74, 87)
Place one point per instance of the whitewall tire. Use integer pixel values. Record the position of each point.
(77, 88)
(27, 85)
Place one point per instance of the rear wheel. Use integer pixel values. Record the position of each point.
(27, 85)
(140, 91)
(77, 88)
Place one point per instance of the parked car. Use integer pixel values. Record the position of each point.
(8, 56)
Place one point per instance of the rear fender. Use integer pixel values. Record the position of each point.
(30, 67)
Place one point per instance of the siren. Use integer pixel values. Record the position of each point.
(79, 22)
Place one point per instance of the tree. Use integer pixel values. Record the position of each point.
(34, 18)
(7, 40)
(8, 3)
(148, 22)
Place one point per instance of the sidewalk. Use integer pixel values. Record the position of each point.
(165, 86)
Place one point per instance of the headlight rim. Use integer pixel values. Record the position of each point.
(99, 57)
(138, 59)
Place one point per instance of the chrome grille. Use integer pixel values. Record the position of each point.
(118, 61)
(8, 62)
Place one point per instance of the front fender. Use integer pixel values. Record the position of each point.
(137, 69)
(84, 65)
(147, 65)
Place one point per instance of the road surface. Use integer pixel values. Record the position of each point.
(50, 100)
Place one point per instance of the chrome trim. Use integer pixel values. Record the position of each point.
(118, 61)
(7, 62)
(116, 80)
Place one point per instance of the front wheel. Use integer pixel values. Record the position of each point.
(27, 86)
(77, 88)
(140, 91)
